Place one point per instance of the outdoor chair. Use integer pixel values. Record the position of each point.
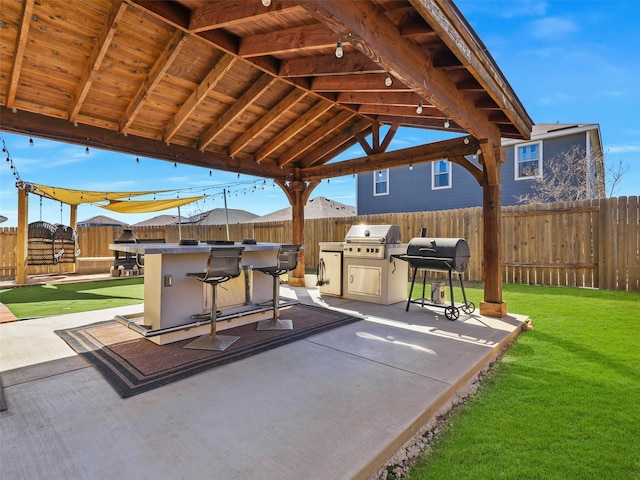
(287, 260)
(223, 265)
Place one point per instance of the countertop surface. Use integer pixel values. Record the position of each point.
(175, 248)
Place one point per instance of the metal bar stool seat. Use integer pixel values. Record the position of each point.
(287, 260)
(223, 265)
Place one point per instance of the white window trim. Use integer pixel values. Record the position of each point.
(516, 162)
(434, 173)
(375, 175)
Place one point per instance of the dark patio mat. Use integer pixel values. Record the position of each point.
(133, 364)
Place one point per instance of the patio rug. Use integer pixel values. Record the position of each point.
(133, 364)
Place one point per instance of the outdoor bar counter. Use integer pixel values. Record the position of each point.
(171, 297)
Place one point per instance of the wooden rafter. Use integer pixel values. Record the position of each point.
(314, 138)
(239, 106)
(95, 60)
(160, 67)
(199, 95)
(267, 120)
(327, 65)
(337, 144)
(302, 122)
(21, 45)
(300, 38)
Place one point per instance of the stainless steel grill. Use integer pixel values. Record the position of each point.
(370, 271)
(370, 241)
(441, 255)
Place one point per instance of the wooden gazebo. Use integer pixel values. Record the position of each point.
(261, 88)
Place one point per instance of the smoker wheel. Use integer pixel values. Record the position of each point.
(469, 307)
(452, 313)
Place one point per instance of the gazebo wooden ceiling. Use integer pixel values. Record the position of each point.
(254, 89)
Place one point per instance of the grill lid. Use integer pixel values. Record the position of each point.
(373, 234)
(440, 254)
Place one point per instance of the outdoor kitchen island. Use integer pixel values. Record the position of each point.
(171, 298)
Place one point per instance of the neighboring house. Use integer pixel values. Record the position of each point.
(318, 207)
(219, 216)
(101, 221)
(442, 185)
(159, 221)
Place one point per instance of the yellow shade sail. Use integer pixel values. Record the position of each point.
(146, 206)
(76, 197)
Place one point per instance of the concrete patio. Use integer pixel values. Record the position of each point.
(336, 405)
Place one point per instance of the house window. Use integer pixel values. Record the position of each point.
(381, 182)
(441, 174)
(528, 160)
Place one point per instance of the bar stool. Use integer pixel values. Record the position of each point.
(223, 265)
(287, 261)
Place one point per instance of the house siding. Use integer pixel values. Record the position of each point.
(410, 190)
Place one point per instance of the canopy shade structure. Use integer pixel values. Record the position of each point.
(77, 197)
(146, 206)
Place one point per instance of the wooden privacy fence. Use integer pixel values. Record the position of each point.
(592, 243)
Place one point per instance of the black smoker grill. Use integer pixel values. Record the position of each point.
(440, 255)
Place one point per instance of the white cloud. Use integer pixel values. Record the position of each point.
(550, 28)
(623, 149)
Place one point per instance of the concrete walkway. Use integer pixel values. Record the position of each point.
(336, 405)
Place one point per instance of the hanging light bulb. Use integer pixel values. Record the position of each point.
(138, 160)
(31, 144)
(411, 166)
(209, 172)
(419, 109)
(388, 80)
(266, 3)
(86, 150)
(175, 165)
(339, 51)
(446, 123)
(466, 140)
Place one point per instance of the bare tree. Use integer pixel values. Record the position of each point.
(614, 173)
(566, 177)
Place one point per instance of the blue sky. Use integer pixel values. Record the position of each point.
(568, 61)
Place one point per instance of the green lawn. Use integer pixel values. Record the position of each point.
(60, 299)
(563, 402)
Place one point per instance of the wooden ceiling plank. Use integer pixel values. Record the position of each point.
(239, 106)
(225, 14)
(162, 64)
(21, 45)
(299, 38)
(100, 50)
(371, 32)
(199, 95)
(420, 154)
(267, 120)
(299, 124)
(317, 136)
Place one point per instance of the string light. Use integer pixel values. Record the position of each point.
(339, 50)
(86, 151)
(419, 109)
(137, 160)
(411, 166)
(388, 80)
(446, 123)
(31, 144)
(266, 3)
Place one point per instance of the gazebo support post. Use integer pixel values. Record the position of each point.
(493, 305)
(21, 238)
(297, 193)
